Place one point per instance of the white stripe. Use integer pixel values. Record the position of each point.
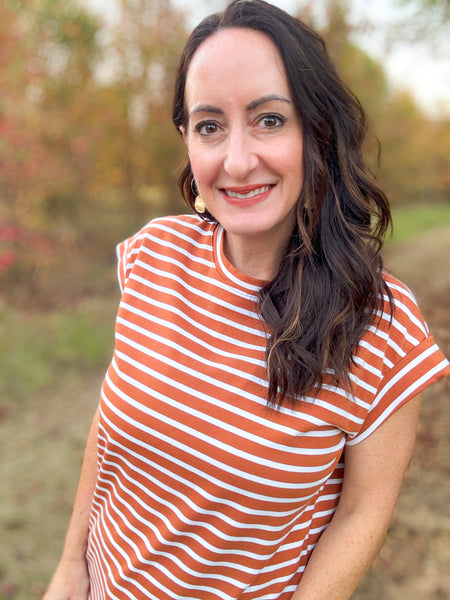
(243, 538)
(367, 366)
(199, 510)
(106, 496)
(409, 391)
(235, 410)
(388, 363)
(378, 332)
(102, 548)
(216, 283)
(184, 547)
(401, 328)
(156, 241)
(365, 386)
(211, 332)
(212, 441)
(409, 314)
(149, 316)
(194, 290)
(235, 372)
(97, 583)
(333, 408)
(175, 383)
(192, 222)
(374, 349)
(199, 308)
(190, 468)
(209, 497)
(257, 557)
(404, 291)
(344, 394)
(177, 532)
(112, 543)
(186, 238)
(363, 343)
(392, 344)
(121, 253)
(410, 366)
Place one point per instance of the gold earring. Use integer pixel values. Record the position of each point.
(199, 205)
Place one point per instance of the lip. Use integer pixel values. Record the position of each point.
(251, 200)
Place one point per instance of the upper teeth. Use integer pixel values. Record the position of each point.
(260, 190)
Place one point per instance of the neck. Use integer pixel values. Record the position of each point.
(256, 258)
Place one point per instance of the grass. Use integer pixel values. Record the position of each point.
(36, 348)
(41, 444)
(51, 367)
(410, 221)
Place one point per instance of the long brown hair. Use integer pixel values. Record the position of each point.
(330, 282)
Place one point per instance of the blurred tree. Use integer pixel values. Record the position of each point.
(88, 151)
(44, 161)
(363, 75)
(441, 7)
(76, 150)
(407, 152)
(423, 22)
(415, 162)
(144, 149)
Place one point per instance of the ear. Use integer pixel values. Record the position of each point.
(183, 133)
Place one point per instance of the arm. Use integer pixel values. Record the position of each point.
(374, 471)
(70, 581)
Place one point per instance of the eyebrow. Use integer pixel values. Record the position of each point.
(251, 106)
(267, 98)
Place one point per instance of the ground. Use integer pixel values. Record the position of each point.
(42, 440)
(414, 561)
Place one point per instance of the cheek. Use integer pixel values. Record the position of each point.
(294, 164)
(204, 166)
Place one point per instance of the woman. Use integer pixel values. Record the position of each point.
(255, 343)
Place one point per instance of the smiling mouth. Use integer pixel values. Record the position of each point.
(245, 195)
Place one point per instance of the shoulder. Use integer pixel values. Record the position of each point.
(397, 344)
(187, 227)
(397, 357)
(163, 235)
(405, 318)
(396, 329)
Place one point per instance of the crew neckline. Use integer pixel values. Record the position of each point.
(228, 271)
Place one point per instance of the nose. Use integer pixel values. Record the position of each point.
(240, 155)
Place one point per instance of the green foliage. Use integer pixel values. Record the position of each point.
(414, 163)
(411, 221)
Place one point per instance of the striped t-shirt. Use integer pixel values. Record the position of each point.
(203, 492)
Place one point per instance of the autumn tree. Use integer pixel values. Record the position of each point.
(144, 150)
(88, 151)
(413, 159)
(85, 159)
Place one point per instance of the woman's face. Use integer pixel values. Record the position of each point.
(243, 135)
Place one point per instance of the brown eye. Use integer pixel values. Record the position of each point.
(206, 128)
(271, 121)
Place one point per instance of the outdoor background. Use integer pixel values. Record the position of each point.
(88, 155)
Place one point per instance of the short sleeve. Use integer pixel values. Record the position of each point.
(410, 359)
(126, 253)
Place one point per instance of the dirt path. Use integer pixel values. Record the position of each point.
(414, 562)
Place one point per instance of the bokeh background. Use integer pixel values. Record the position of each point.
(88, 155)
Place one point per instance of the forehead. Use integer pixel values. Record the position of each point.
(235, 61)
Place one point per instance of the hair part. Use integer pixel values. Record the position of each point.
(329, 284)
